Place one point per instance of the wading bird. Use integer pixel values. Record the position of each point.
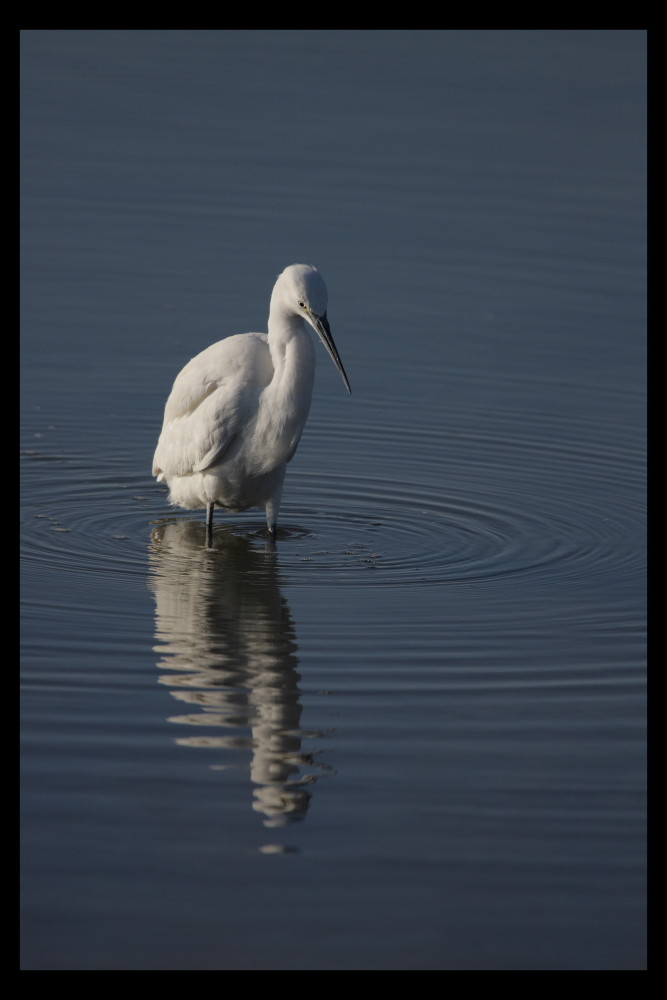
(236, 412)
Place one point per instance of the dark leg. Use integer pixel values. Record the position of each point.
(209, 525)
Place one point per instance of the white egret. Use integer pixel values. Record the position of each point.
(236, 412)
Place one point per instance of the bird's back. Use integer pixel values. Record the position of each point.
(211, 402)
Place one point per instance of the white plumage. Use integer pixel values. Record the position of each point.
(236, 412)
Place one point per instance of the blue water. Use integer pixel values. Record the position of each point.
(411, 736)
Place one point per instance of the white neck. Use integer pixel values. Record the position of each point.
(293, 356)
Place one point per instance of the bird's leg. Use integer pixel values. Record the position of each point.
(272, 505)
(209, 525)
(271, 518)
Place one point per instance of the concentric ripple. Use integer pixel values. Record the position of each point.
(510, 498)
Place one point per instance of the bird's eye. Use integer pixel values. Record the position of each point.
(302, 305)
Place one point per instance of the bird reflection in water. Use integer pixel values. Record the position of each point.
(225, 634)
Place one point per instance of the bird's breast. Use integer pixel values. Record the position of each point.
(277, 429)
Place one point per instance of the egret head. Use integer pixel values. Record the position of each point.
(301, 288)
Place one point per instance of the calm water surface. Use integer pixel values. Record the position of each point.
(410, 735)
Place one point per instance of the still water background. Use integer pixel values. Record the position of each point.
(412, 736)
